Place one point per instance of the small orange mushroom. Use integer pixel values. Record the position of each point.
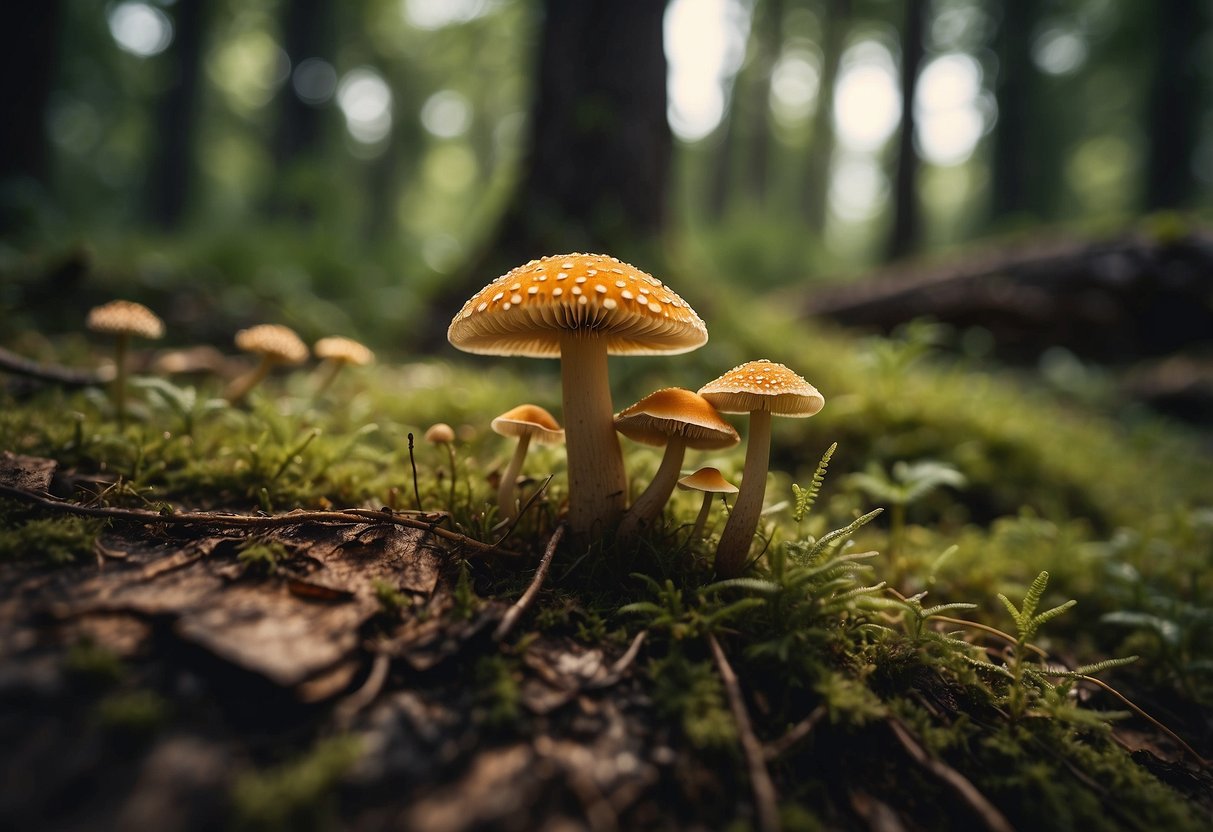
(762, 389)
(122, 319)
(709, 481)
(524, 422)
(678, 419)
(274, 344)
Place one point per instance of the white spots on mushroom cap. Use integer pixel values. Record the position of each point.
(763, 385)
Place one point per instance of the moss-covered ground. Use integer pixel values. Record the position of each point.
(872, 705)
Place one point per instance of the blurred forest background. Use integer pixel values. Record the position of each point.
(363, 166)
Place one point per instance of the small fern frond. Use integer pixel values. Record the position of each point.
(845, 532)
(805, 497)
(1035, 592)
(1011, 608)
(758, 585)
(940, 609)
(1049, 615)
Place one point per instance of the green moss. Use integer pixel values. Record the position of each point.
(297, 794)
(53, 540)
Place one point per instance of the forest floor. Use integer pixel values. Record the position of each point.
(297, 614)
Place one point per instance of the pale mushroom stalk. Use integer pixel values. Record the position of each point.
(509, 480)
(647, 507)
(597, 482)
(747, 508)
(701, 521)
(242, 385)
(328, 374)
(122, 341)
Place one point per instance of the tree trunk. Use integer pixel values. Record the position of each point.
(906, 215)
(176, 117)
(27, 60)
(596, 173)
(1175, 104)
(308, 31)
(767, 38)
(834, 27)
(1010, 169)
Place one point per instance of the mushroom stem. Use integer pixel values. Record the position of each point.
(597, 483)
(647, 507)
(702, 520)
(120, 345)
(507, 487)
(240, 388)
(328, 374)
(739, 530)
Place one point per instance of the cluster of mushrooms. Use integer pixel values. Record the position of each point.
(272, 344)
(581, 308)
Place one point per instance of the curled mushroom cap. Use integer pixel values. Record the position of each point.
(708, 480)
(344, 350)
(763, 389)
(525, 422)
(125, 317)
(529, 420)
(581, 308)
(672, 412)
(678, 419)
(763, 385)
(274, 342)
(440, 433)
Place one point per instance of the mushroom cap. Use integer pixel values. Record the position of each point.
(345, 350)
(528, 309)
(763, 385)
(529, 420)
(676, 412)
(273, 341)
(440, 433)
(125, 317)
(707, 479)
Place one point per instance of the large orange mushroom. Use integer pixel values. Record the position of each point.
(581, 308)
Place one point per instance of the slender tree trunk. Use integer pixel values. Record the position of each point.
(308, 31)
(596, 174)
(29, 48)
(1175, 101)
(767, 39)
(1011, 170)
(834, 27)
(906, 214)
(176, 117)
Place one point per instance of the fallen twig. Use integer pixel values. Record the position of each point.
(774, 750)
(1137, 709)
(621, 664)
(352, 705)
(523, 604)
(249, 521)
(11, 362)
(961, 785)
(760, 778)
(509, 529)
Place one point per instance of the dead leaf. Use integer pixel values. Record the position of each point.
(28, 473)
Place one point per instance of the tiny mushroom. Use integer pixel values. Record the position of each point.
(122, 319)
(709, 481)
(274, 344)
(581, 308)
(678, 419)
(440, 433)
(524, 422)
(336, 352)
(762, 389)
